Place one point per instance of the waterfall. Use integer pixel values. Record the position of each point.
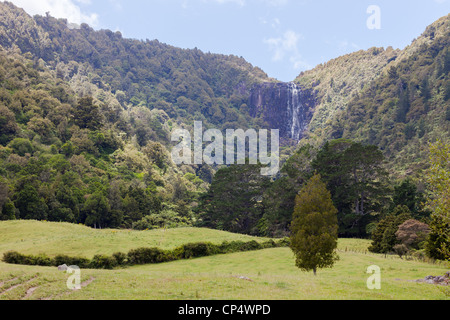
(295, 110)
(283, 106)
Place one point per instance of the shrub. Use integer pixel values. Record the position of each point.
(229, 247)
(147, 255)
(143, 255)
(269, 244)
(121, 258)
(251, 246)
(285, 242)
(401, 250)
(13, 257)
(42, 260)
(413, 233)
(103, 262)
(201, 249)
(71, 261)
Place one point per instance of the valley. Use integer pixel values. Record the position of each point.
(91, 128)
(261, 275)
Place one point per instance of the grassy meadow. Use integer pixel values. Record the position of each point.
(258, 275)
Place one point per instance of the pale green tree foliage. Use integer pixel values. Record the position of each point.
(439, 180)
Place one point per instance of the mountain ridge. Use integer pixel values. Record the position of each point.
(86, 118)
(401, 109)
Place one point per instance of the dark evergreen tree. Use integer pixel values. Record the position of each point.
(30, 204)
(8, 211)
(233, 201)
(97, 210)
(279, 199)
(438, 244)
(407, 194)
(384, 237)
(357, 180)
(314, 229)
(86, 115)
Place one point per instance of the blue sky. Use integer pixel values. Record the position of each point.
(282, 37)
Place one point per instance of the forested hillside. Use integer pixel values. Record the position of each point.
(186, 84)
(86, 118)
(397, 100)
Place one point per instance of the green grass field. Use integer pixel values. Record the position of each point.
(258, 275)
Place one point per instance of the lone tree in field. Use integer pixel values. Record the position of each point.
(314, 228)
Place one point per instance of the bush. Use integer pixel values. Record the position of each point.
(121, 258)
(196, 250)
(285, 242)
(42, 260)
(147, 256)
(269, 244)
(419, 254)
(71, 261)
(13, 257)
(143, 255)
(229, 247)
(251, 246)
(401, 250)
(103, 262)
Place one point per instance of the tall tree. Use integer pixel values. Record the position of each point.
(357, 180)
(314, 229)
(279, 199)
(369, 178)
(97, 210)
(86, 115)
(439, 180)
(407, 194)
(383, 237)
(30, 204)
(8, 125)
(233, 201)
(329, 163)
(439, 200)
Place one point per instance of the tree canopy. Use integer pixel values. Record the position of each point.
(314, 229)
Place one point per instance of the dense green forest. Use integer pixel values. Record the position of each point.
(86, 118)
(86, 121)
(398, 100)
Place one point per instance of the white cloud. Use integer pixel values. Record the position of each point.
(287, 46)
(273, 3)
(117, 5)
(239, 2)
(68, 9)
(276, 3)
(344, 45)
(288, 43)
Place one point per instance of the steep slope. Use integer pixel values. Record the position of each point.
(284, 106)
(183, 83)
(187, 85)
(338, 81)
(104, 161)
(86, 118)
(401, 106)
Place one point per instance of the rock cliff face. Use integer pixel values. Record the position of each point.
(283, 106)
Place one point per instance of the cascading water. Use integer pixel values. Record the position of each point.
(295, 112)
(284, 106)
